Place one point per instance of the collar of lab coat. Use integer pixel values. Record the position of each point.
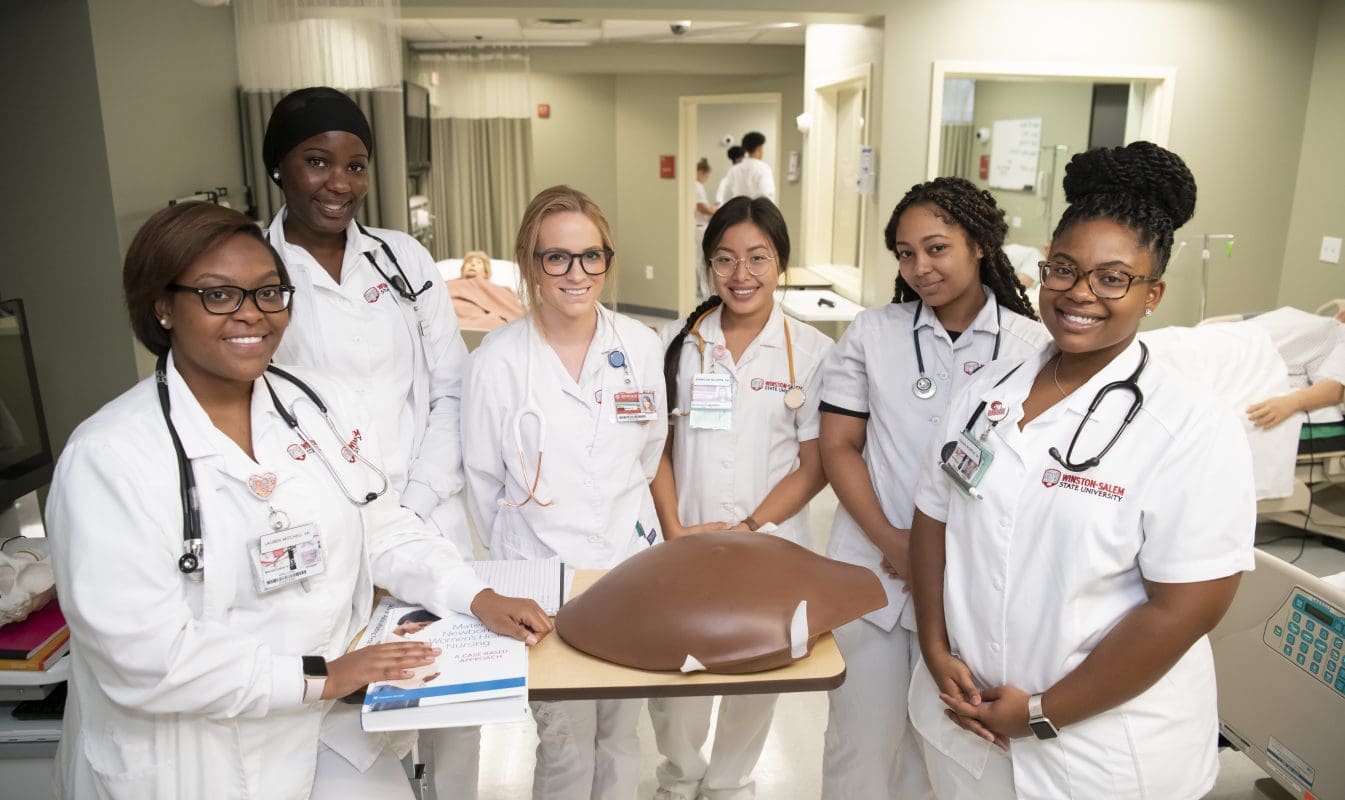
(356, 242)
(986, 321)
(595, 359)
(772, 334)
(1014, 390)
(199, 436)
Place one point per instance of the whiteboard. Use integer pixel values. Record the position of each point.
(1014, 148)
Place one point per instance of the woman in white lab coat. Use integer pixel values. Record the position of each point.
(563, 421)
(742, 455)
(1087, 531)
(378, 314)
(211, 671)
(885, 392)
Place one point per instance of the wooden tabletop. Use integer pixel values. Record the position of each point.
(557, 671)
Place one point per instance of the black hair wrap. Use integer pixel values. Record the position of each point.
(305, 113)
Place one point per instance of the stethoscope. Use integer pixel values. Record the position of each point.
(924, 386)
(795, 397)
(1130, 384)
(616, 359)
(400, 283)
(193, 551)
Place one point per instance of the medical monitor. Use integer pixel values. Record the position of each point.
(25, 449)
(416, 115)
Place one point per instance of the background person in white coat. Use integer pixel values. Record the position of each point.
(757, 469)
(1062, 615)
(885, 393)
(751, 177)
(199, 685)
(582, 386)
(404, 358)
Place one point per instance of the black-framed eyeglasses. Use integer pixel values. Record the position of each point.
(757, 264)
(1105, 283)
(558, 262)
(270, 299)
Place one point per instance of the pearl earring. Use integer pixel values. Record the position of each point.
(1148, 312)
(163, 322)
(275, 175)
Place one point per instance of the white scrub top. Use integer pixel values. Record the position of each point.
(185, 689)
(870, 375)
(596, 471)
(1313, 348)
(406, 365)
(722, 476)
(1050, 561)
(751, 177)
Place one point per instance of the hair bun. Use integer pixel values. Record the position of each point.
(1143, 171)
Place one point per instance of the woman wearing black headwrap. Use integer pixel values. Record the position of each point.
(358, 319)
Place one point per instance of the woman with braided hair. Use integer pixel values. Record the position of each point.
(886, 391)
(1072, 545)
(742, 455)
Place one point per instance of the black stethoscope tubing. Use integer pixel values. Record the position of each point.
(925, 380)
(401, 283)
(1130, 384)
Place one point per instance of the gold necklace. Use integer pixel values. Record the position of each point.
(1055, 376)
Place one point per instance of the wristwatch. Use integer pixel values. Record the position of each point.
(315, 678)
(1041, 727)
(751, 524)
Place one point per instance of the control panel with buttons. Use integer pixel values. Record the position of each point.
(1310, 632)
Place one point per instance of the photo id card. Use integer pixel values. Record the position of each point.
(965, 462)
(281, 558)
(635, 406)
(712, 401)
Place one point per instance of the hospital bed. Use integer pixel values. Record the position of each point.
(502, 273)
(1279, 656)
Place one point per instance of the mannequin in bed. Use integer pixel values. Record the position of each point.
(480, 304)
(1313, 348)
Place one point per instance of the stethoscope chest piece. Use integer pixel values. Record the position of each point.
(923, 387)
(795, 398)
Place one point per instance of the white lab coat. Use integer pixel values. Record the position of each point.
(404, 362)
(596, 470)
(722, 476)
(182, 689)
(870, 750)
(1050, 561)
(751, 177)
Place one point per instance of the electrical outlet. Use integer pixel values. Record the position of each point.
(649, 268)
(1330, 250)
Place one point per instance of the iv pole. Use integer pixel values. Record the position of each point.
(1205, 265)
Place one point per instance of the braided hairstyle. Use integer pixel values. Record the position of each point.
(958, 202)
(1141, 186)
(760, 212)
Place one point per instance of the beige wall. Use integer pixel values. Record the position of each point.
(1064, 109)
(1319, 194)
(577, 145)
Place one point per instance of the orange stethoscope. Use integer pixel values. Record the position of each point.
(794, 396)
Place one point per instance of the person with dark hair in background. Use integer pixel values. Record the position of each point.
(217, 532)
(748, 461)
(1065, 578)
(700, 215)
(956, 307)
(751, 177)
(379, 316)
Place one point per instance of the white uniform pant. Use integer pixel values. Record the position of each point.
(586, 750)
(871, 750)
(453, 758)
(338, 779)
(952, 781)
(680, 727)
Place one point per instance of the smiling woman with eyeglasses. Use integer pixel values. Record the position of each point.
(563, 421)
(1081, 524)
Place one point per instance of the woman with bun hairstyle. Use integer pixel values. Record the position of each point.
(750, 464)
(887, 386)
(1081, 524)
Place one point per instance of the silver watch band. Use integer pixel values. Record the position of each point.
(1034, 707)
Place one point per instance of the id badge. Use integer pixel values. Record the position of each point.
(965, 462)
(283, 557)
(635, 406)
(712, 401)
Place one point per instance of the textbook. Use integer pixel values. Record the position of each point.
(24, 639)
(480, 677)
(49, 654)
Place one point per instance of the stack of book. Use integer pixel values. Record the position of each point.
(35, 643)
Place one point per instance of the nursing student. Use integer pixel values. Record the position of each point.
(378, 315)
(564, 419)
(885, 395)
(742, 456)
(1089, 529)
(217, 532)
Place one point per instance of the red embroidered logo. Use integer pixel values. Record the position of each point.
(1050, 478)
(372, 294)
(971, 367)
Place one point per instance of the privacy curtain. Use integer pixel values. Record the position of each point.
(352, 45)
(957, 136)
(481, 149)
